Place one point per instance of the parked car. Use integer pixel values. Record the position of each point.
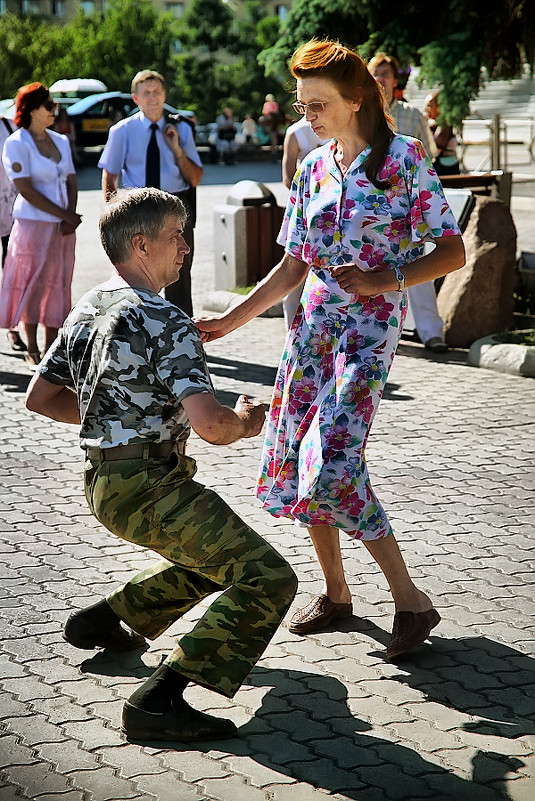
(93, 116)
(68, 91)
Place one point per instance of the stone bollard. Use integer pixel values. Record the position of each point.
(478, 299)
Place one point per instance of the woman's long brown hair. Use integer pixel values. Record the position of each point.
(345, 68)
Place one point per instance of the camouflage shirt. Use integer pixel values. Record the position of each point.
(132, 357)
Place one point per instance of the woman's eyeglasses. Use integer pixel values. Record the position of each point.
(50, 105)
(315, 107)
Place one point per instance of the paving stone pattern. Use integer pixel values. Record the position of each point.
(451, 456)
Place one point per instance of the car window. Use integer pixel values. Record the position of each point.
(98, 110)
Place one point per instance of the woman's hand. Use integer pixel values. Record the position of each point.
(365, 283)
(71, 220)
(211, 328)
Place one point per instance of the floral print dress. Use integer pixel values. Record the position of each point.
(340, 347)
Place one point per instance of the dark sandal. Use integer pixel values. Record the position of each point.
(14, 339)
(410, 629)
(318, 614)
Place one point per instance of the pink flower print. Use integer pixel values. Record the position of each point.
(337, 438)
(425, 195)
(364, 409)
(305, 390)
(326, 367)
(286, 473)
(349, 205)
(354, 341)
(310, 252)
(321, 518)
(318, 296)
(389, 169)
(397, 230)
(318, 170)
(355, 505)
(294, 404)
(377, 307)
(340, 490)
(321, 344)
(371, 255)
(326, 223)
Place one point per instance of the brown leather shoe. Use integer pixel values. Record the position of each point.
(317, 615)
(410, 629)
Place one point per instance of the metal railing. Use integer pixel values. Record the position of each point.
(498, 134)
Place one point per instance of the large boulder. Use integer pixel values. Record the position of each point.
(477, 300)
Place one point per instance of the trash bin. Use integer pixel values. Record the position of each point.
(526, 268)
(245, 232)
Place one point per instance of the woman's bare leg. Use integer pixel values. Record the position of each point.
(50, 335)
(326, 542)
(30, 329)
(407, 597)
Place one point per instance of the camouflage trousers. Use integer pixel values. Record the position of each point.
(207, 548)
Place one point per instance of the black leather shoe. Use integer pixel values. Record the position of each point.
(180, 723)
(85, 635)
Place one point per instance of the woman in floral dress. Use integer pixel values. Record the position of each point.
(359, 211)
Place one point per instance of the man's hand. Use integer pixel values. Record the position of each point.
(253, 414)
(170, 135)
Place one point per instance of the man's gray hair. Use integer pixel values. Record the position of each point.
(146, 75)
(135, 211)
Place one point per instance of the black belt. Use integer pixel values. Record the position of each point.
(137, 450)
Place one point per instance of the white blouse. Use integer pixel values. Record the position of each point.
(22, 159)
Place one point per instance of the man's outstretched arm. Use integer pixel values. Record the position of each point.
(52, 400)
(221, 425)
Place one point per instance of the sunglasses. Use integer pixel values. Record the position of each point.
(50, 105)
(316, 107)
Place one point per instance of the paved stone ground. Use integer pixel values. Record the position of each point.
(451, 455)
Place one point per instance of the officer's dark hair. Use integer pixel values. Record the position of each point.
(135, 211)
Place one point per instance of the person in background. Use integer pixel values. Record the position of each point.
(446, 163)
(271, 122)
(36, 285)
(299, 140)
(226, 136)
(146, 150)
(130, 370)
(249, 129)
(410, 121)
(8, 193)
(64, 126)
(359, 212)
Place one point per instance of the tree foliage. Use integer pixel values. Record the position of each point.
(112, 47)
(451, 44)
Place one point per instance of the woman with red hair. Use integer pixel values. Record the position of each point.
(359, 210)
(36, 285)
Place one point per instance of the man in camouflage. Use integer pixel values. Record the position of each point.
(129, 368)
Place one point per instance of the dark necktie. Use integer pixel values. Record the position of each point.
(152, 164)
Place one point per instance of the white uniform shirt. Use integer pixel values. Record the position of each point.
(125, 153)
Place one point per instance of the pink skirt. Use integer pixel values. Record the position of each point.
(36, 284)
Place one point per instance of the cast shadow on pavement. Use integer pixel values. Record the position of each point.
(417, 351)
(14, 382)
(305, 729)
(473, 675)
(250, 374)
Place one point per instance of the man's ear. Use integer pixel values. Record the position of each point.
(139, 245)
